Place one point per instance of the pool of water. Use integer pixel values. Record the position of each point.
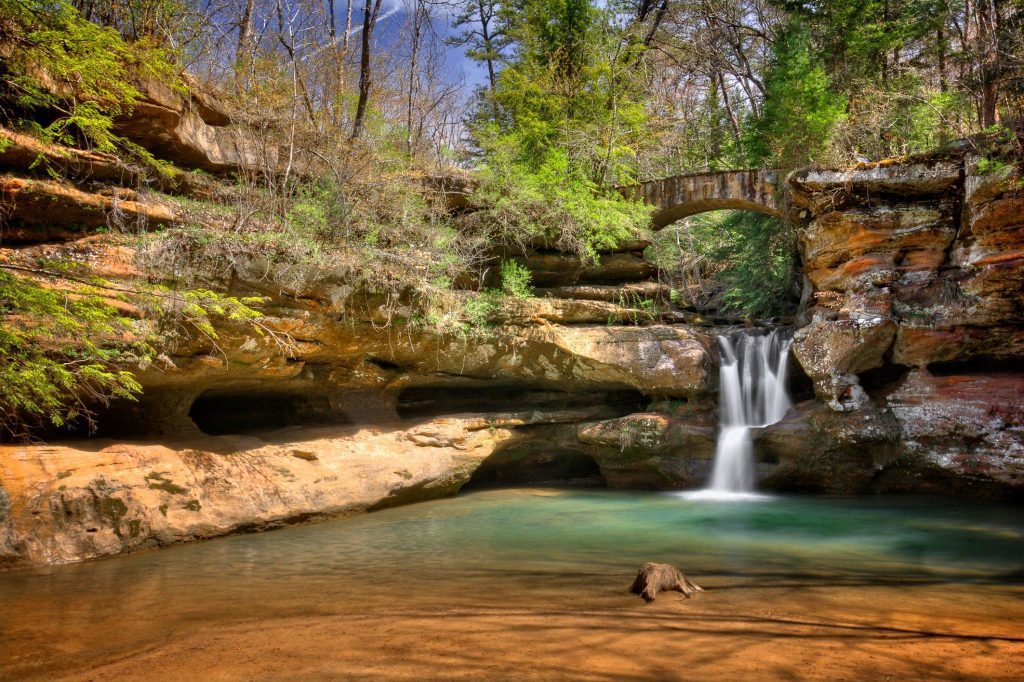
(488, 545)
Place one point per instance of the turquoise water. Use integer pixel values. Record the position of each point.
(538, 543)
(509, 531)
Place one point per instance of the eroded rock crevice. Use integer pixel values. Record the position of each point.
(218, 413)
(431, 401)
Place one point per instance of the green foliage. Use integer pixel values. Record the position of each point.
(182, 312)
(378, 240)
(79, 70)
(564, 122)
(1000, 150)
(800, 112)
(319, 210)
(572, 87)
(910, 70)
(66, 347)
(987, 166)
(926, 121)
(478, 310)
(730, 261)
(515, 280)
(759, 277)
(553, 202)
(58, 354)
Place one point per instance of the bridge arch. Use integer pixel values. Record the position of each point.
(680, 196)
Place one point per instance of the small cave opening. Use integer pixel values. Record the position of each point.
(799, 386)
(537, 466)
(976, 365)
(226, 412)
(434, 401)
(881, 380)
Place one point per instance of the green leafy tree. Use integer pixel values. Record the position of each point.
(562, 125)
(800, 111)
(67, 347)
(59, 353)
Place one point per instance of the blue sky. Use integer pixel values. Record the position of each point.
(392, 16)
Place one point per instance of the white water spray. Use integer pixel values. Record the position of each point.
(752, 393)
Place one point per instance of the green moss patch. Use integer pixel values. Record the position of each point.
(157, 481)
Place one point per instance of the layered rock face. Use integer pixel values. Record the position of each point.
(352, 419)
(916, 336)
(194, 130)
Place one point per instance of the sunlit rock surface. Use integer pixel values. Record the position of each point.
(80, 500)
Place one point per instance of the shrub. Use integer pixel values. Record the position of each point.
(553, 203)
(515, 279)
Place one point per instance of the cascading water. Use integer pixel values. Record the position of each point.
(752, 382)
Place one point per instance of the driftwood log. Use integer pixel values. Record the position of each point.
(654, 578)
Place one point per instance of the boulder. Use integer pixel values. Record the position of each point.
(657, 359)
(26, 154)
(834, 352)
(652, 450)
(76, 501)
(817, 449)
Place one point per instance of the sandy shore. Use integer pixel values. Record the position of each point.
(734, 631)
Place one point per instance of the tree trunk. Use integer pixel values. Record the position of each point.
(244, 33)
(653, 578)
(988, 56)
(417, 29)
(659, 14)
(371, 9)
(733, 121)
(485, 34)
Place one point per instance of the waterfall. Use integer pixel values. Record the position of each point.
(752, 393)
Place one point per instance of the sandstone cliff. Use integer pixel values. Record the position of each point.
(909, 344)
(915, 339)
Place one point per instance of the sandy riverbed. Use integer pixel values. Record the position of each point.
(732, 631)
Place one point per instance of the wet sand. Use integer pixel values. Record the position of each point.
(735, 630)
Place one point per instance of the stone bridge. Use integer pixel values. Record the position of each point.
(685, 195)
